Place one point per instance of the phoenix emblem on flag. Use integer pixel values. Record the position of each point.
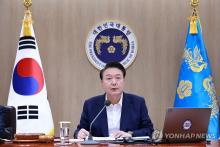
(194, 59)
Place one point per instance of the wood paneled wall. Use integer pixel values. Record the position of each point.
(61, 28)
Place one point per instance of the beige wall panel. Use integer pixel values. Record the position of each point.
(61, 28)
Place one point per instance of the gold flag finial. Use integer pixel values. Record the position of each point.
(194, 17)
(194, 3)
(27, 22)
(27, 3)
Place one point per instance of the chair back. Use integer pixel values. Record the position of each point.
(8, 121)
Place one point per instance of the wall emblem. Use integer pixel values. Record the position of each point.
(111, 41)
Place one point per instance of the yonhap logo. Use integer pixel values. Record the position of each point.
(111, 41)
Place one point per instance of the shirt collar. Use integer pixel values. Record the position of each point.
(120, 101)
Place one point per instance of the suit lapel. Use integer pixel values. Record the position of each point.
(124, 111)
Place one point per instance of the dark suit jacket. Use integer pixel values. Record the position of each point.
(134, 116)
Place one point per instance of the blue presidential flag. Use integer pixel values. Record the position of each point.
(195, 86)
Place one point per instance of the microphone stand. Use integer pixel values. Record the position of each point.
(90, 127)
(90, 138)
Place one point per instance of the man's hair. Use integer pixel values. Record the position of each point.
(113, 65)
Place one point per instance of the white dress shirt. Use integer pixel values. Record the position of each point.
(114, 116)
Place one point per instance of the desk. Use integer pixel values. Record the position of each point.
(212, 144)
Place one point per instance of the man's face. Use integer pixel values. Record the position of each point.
(113, 82)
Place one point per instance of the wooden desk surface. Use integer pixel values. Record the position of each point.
(212, 144)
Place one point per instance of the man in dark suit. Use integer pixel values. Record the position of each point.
(126, 116)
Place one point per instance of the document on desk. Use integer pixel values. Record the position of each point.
(140, 138)
(93, 138)
(72, 140)
(104, 138)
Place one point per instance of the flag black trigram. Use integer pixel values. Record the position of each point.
(27, 112)
(27, 42)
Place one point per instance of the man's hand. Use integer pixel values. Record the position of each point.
(120, 134)
(82, 134)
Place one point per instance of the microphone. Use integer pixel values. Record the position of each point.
(90, 139)
(107, 103)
